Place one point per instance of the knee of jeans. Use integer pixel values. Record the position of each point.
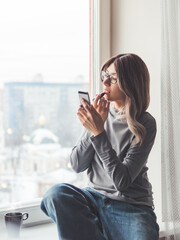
(55, 194)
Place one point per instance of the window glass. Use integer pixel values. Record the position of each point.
(44, 61)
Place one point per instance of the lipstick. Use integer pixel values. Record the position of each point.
(102, 94)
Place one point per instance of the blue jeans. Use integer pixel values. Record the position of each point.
(85, 214)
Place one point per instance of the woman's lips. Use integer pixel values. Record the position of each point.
(103, 93)
(106, 94)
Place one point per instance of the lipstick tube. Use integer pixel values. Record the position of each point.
(102, 94)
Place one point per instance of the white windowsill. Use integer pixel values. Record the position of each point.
(43, 231)
(36, 216)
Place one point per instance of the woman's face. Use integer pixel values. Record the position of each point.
(113, 92)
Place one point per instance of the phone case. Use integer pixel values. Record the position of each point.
(84, 95)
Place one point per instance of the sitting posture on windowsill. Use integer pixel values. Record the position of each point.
(114, 148)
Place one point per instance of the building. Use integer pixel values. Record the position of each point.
(28, 105)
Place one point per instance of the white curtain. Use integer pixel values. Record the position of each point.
(170, 117)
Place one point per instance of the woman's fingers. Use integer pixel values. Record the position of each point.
(99, 104)
(80, 114)
(84, 113)
(90, 118)
(102, 104)
(85, 105)
(95, 102)
(107, 105)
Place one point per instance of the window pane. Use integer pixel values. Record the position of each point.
(44, 61)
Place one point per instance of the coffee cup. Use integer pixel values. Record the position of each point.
(13, 221)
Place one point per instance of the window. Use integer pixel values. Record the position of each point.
(44, 61)
(49, 67)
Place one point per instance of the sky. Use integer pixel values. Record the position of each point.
(47, 37)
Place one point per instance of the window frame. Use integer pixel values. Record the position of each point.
(100, 49)
(100, 40)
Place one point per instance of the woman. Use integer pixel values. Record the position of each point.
(114, 148)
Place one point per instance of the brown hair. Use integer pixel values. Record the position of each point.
(134, 81)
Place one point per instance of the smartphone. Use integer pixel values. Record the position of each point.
(85, 96)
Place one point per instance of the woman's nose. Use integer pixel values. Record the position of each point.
(106, 81)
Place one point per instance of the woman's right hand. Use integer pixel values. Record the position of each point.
(102, 106)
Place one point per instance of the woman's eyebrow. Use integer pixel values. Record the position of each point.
(111, 73)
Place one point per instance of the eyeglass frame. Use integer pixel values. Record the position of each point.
(108, 76)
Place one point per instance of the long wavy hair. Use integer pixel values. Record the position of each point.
(134, 81)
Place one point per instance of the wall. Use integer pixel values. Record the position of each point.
(136, 28)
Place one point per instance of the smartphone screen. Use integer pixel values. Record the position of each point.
(85, 96)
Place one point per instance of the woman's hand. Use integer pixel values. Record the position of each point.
(102, 106)
(90, 118)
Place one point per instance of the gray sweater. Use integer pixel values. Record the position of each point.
(115, 167)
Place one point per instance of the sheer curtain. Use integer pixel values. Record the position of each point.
(170, 105)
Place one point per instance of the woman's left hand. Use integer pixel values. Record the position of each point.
(90, 118)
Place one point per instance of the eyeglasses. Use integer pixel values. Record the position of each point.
(105, 75)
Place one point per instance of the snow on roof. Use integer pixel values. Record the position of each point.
(43, 135)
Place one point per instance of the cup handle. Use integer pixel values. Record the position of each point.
(25, 216)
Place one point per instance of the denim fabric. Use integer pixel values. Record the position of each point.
(84, 214)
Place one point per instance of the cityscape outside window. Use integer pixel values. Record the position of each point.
(44, 61)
